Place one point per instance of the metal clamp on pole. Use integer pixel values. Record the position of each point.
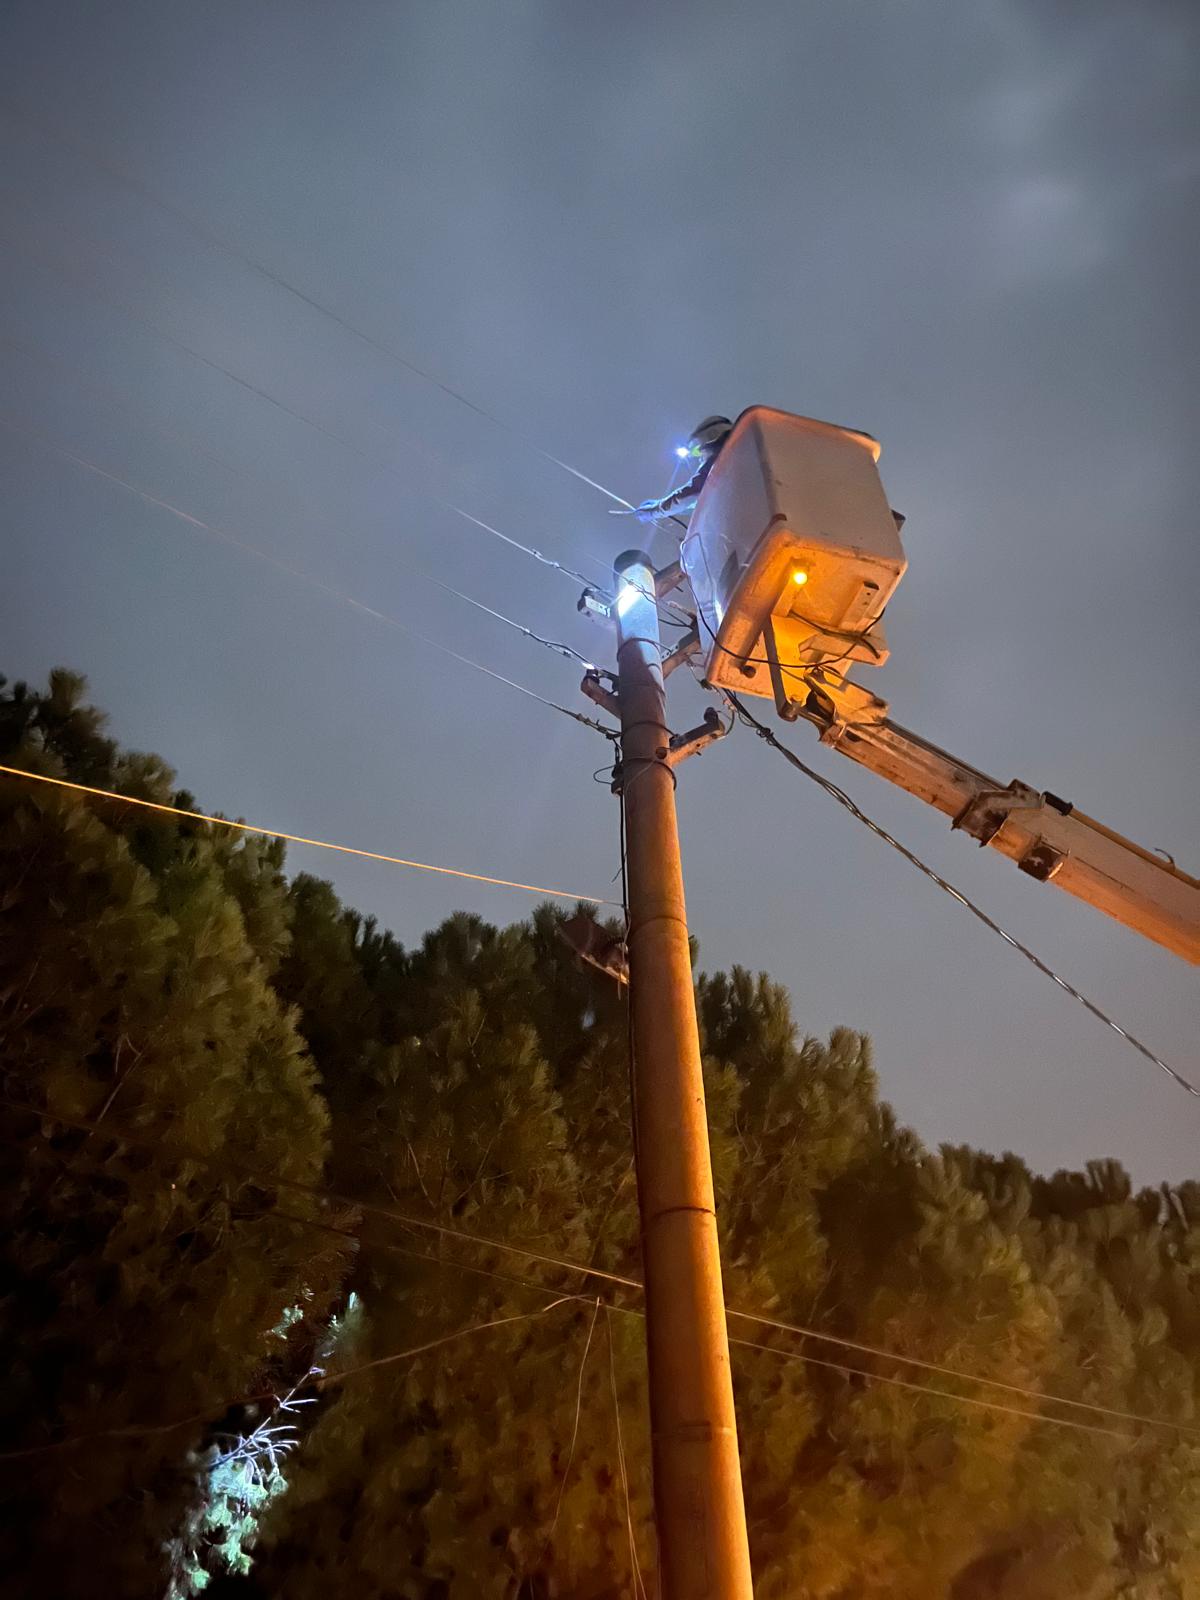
(695, 740)
(593, 604)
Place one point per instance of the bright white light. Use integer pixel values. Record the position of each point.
(682, 451)
(629, 593)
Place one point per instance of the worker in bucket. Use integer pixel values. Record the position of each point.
(702, 449)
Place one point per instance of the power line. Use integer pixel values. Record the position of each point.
(110, 393)
(178, 813)
(562, 1487)
(381, 349)
(526, 549)
(639, 1587)
(308, 421)
(162, 504)
(568, 652)
(360, 1242)
(563, 1264)
(388, 352)
(799, 1355)
(261, 393)
(565, 650)
(532, 551)
(208, 233)
(372, 1243)
(198, 1418)
(844, 800)
(313, 1380)
(925, 1388)
(122, 397)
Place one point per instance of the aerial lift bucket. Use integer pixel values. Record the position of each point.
(792, 554)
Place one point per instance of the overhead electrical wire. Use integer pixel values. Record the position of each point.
(110, 394)
(371, 1242)
(389, 352)
(843, 799)
(227, 537)
(925, 1388)
(113, 392)
(320, 1380)
(559, 1263)
(373, 459)
(313, 1380)
(179, 814)
(214, 238)
(207, 232)
(639, 1588)
(566, 1472)
(525, 549)
(558, 648)
(261, 393)
(565, 650)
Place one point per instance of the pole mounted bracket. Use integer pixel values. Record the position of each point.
(668, 578)
(594, 604)
(687, 647)
(606, 699)
(695, 740)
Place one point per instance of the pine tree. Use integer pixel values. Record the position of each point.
(175, 987)
(443, 1477)
(145, 1265)
(457, 1120)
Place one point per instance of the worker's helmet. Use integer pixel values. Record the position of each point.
(709, 433)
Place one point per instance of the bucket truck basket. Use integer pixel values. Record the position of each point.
(792, 550)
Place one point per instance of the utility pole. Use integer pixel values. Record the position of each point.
(699, 1510)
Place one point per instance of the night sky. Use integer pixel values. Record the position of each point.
(966, 229)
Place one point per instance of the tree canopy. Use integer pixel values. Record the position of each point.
(197, 1032)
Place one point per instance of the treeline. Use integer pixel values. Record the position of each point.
(215, 1081)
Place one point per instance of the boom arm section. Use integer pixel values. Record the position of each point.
(1044, 835)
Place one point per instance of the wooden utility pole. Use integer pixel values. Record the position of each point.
(700, 1515)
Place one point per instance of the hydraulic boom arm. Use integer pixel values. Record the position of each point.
(1044, 835)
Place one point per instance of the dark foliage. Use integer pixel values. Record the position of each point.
(166, 983)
